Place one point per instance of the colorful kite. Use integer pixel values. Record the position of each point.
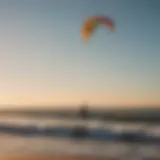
(93, 22)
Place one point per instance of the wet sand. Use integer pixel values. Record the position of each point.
(32, 157)
(62, 149)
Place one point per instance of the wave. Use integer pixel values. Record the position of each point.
(68, 132)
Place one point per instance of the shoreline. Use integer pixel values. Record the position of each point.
(48, 157)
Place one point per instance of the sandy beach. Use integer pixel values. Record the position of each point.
(21, 148)
(34, 157)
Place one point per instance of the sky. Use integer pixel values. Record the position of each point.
(44, 61)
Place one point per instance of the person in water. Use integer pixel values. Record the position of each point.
(81, 129)
(83, 113)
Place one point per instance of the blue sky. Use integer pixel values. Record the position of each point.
(43, 60)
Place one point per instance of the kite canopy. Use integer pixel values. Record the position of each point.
(93, 22)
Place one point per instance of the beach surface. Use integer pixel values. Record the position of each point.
(20, 148)
(56, 157)
(33, 146)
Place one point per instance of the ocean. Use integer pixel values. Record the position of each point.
(14, 141)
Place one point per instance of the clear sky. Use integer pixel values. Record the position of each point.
(43, 60)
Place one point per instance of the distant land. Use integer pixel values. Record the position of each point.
(143, 114)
